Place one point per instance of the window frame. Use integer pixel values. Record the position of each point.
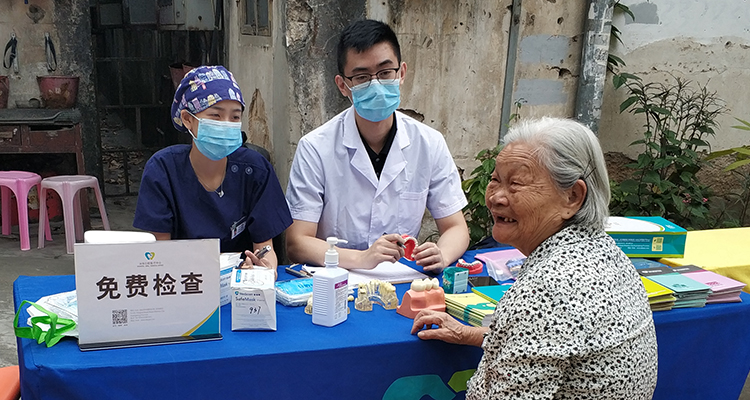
(255, 29)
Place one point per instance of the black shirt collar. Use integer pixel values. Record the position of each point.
(378, 159)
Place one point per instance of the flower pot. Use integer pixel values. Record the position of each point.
(58, 91)
(4, 89)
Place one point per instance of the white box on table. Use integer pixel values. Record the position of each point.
(253, 299)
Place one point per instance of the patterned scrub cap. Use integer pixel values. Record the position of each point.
(201, 88)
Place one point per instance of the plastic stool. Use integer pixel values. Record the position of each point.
(68, 186)
(20, 182)
(10, 383)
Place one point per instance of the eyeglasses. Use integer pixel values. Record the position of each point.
(382, 75)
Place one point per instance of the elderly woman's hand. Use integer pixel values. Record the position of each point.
(448, 329)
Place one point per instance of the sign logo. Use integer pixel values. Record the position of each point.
(150, 255)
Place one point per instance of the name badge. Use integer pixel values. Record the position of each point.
(238, 227)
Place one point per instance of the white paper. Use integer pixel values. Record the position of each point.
(65, 305)
(385, 271)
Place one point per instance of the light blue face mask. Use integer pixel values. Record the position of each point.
(376, 100)
(217, 139)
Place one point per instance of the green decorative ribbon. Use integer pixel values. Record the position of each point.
(52, 335)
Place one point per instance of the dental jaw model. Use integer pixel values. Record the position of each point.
(424, 294)
(376, 291)
(410, 244)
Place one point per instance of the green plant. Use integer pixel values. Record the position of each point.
(478, 217)
(678, 119)
(739, 200)
(614, 63)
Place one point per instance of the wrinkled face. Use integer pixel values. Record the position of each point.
(526, 206)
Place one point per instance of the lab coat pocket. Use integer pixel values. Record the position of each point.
(411, 206)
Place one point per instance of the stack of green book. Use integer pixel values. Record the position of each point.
(660, 298)
(470, 308)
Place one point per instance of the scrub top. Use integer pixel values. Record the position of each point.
(333, 182)
(171, 199)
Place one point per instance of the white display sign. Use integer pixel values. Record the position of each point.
(134, 294)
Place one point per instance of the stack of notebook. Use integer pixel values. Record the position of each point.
(687, 292)
(724, 290)
(470, 308)
(659, 297)
(492, 293)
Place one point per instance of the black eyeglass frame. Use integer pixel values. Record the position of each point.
(351, 78)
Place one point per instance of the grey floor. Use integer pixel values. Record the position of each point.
(53, 260)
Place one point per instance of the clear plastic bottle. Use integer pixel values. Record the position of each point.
(330, 288)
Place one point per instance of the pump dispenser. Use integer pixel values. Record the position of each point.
(330, 289)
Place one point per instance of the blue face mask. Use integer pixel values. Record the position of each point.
(377, 101)
(217, 139)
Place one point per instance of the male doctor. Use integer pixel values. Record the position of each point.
(367, 174)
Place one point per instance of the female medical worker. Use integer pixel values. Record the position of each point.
(215, 187)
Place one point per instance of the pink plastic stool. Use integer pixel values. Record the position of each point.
(68, 186)
(20, 182)
(10, 383)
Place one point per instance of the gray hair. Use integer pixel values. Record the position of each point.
(569, 151)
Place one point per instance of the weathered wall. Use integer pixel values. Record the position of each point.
(292, 72)
(69, 26)
(705, 41)
(548, 57)
(455, 54)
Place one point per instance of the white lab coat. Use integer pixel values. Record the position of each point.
(333, 182)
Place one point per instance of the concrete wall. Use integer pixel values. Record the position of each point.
(290, 75)
(69, 26)
(456, 53)
(705, 41)
(547, 57)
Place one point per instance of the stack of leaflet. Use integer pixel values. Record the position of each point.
(687, 292)
(659, 297)
(470, 308)
(724, 290)
(492, 293)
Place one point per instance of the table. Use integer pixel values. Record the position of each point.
(724, 251)
(30, 131)
(703, 354)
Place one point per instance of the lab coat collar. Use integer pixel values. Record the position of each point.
(394, 164)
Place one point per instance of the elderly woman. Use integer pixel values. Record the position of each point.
(576, 324)
(215, 187)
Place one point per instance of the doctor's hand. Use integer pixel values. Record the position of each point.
(384, 249)
(429, 256)
(252, 261)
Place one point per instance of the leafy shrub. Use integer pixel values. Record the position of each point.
(677, 120)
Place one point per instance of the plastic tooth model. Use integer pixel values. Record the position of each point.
(424, 294)
(376, 291)
(474, 268)
(410, 244)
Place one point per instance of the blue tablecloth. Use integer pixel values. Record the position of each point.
(703, 354)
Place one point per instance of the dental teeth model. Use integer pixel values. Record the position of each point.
(473, 267)
(410, 243)
(424, 294)
(376, 291)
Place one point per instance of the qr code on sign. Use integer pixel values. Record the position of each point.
(119, 317)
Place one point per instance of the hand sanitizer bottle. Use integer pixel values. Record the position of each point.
(330, 287)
